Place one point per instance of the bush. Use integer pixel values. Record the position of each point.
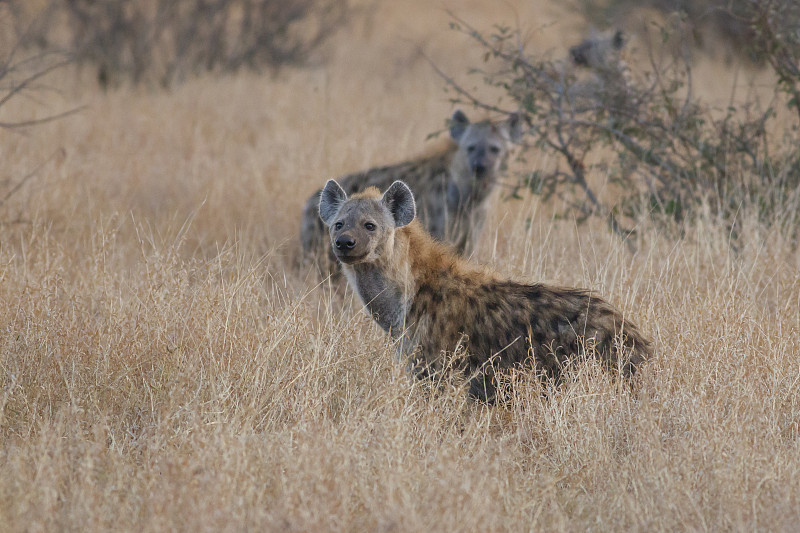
(732, 20)
(672, 154)
(164, 41)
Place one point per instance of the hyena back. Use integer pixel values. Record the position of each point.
(432, 301)
(453, 185)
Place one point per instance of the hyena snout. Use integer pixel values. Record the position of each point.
(482, 162)
(345, 242)
(480, 170)
(349, 246)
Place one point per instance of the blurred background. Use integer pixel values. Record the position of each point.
(289, 94)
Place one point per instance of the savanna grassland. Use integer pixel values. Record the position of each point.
(165, 364)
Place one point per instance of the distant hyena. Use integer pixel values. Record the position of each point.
(431, 300)
(452, 185)
(601, 75)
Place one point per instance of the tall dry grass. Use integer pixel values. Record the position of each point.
(166, 365)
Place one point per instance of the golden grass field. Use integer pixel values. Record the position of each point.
(166, 365)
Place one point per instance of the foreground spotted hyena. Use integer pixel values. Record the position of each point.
(433, 301)
(452, 185)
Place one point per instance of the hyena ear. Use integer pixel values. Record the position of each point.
(580, 53)
(458, 124)
(619, 40)
(400, 201)
(515, 126)
(331, 199)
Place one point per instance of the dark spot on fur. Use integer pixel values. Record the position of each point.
(532, 292)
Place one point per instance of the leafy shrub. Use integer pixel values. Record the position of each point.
(673, 155)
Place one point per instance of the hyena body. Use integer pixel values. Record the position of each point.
(453, 185)
(432, 301)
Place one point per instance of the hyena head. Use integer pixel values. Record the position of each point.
(482, 146)
(598, 53)
(362, 226)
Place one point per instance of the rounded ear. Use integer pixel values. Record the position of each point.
(619, 40)
(580, 53)
(399, 199)
(458, 124)
(514, 125)
(330, 201)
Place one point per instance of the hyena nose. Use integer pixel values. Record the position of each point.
(480, 170)
(345, 241)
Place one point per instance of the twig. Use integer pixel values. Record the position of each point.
(29, 175)
(34, 122)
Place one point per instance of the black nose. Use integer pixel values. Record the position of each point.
(480, 170)
(345, 241)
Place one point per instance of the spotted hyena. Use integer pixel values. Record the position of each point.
(601, 74)
(453, 185)
(432, 301)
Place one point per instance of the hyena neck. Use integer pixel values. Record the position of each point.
(414, 260)
(380, 294)
(384, 286)
(465, 192)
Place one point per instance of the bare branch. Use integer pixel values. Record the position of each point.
(29, 175)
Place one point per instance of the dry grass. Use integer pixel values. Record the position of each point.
(165, 365)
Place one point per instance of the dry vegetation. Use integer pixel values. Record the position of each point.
(166, 366)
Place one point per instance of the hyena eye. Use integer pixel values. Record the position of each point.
(370, 226)
(338, 226)
(494, 149)
(470, 149)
